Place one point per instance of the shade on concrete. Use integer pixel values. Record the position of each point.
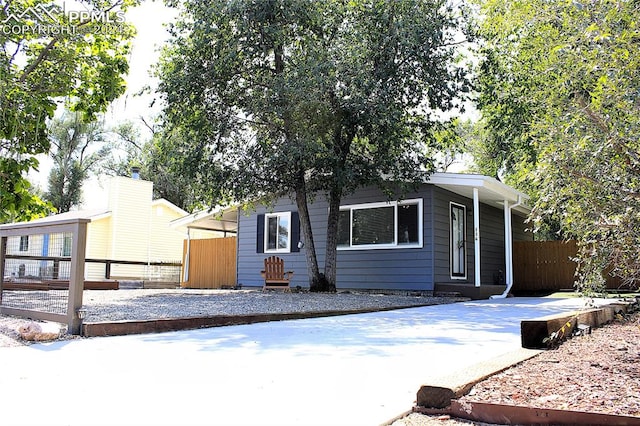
(352, 370)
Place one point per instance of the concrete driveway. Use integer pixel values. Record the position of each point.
(349, 370)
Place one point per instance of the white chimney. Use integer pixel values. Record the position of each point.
(135, 172)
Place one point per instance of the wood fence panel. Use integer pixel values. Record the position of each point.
(547, 265)
(543, 265)
(212, 263)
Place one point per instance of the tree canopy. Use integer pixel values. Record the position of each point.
(75, 154)
(158, 159)
(49, 55)
(291, 97)
(560, 97)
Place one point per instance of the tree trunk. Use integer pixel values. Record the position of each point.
(315, 278)
(331, 257)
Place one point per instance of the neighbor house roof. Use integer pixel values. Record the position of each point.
(60, 219)
(168, 204)
(94, 214)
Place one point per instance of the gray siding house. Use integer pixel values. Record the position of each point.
(454, 234)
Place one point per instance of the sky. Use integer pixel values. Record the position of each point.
(150, 19)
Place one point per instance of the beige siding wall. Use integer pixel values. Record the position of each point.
(98, 247)
(34, 246)
(130, 205)
(137, 229)
(166, 242)
(201, 234)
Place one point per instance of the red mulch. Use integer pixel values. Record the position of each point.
(598, 372)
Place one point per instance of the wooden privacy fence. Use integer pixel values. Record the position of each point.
(543, 265)
(546, 265)
(211, 263)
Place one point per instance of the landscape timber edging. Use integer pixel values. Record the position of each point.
(440, 391)
(534, 332)
(515, 415)
(161, 325)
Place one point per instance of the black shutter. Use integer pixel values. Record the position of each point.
(295, 232)
(260, 234)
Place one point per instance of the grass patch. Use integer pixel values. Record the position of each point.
(576, 295)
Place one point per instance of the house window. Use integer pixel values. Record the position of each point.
(24, 243)
(66, 245)
(277, 233)
(457, 238)
(380, 225)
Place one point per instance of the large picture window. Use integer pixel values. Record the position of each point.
(277, 233)
(457, 238)
(380, 225)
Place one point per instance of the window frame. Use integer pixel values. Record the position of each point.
(458, 276)
(395, 204)
(277, 215)
(24, 243)
(67, 244)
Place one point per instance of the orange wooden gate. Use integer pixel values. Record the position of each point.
(212, 263)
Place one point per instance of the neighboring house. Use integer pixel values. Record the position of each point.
(133, 227)
(455, 233)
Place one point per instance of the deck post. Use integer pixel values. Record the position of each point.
(76, 277)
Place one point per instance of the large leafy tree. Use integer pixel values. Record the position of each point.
(562, 86)
(302, 98)
(48, 56)
(159, 159)
(76, 150)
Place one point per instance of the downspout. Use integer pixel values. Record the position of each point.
(476, 236)
(185, 276)
(508, 247)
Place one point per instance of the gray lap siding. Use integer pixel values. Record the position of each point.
(395, 268)
(399, 269)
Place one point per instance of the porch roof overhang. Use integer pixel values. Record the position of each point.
(221, 219)
(490, 191)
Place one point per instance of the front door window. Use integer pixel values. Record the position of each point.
(458, 252)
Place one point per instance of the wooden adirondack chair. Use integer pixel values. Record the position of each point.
(274, 275)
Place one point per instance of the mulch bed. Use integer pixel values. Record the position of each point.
(597, 372)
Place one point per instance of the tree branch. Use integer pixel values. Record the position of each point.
(147, 125)
(45, 52)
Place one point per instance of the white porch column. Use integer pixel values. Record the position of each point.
(185, 266)
(476, 236)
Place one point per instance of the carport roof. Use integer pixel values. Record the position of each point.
(222, 219)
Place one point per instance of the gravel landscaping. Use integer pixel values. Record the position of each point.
(152, 304)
